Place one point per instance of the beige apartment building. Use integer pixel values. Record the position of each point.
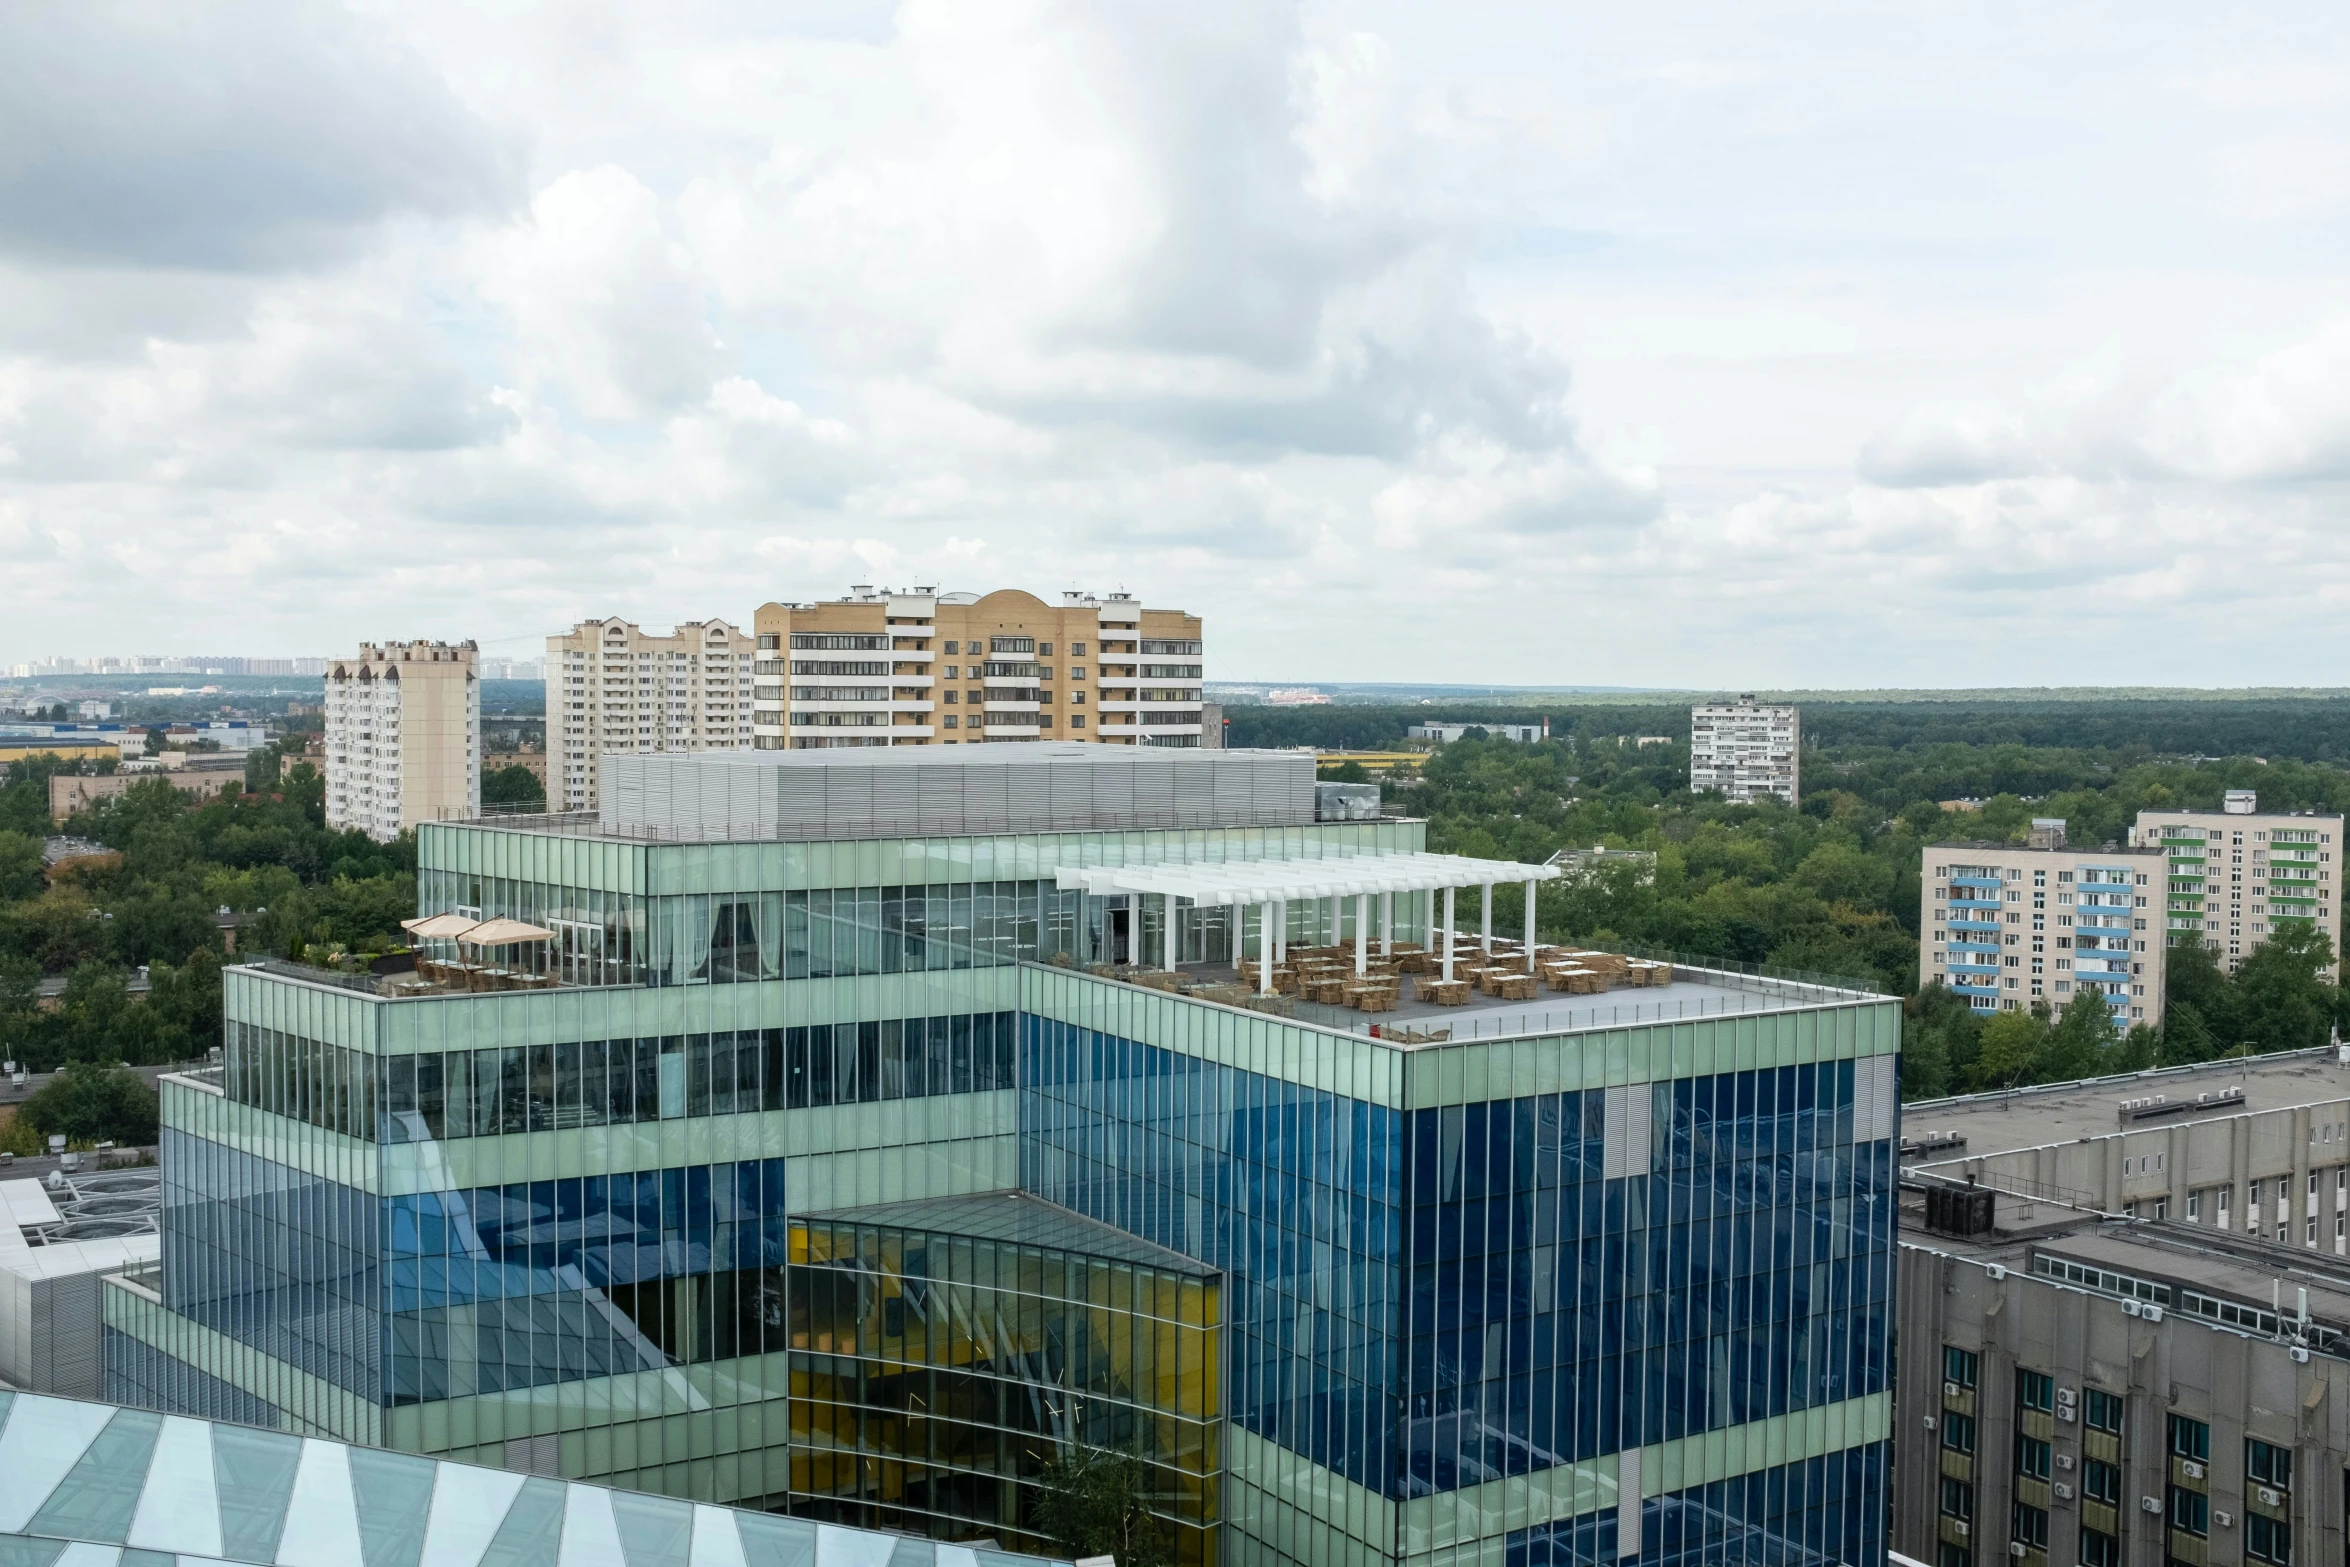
(403, 736)
(612, 686)
(2005, 926)
(918, 667)
(2236, 876)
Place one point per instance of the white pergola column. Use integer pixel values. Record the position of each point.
(1362, 934)
(1530, 886)
(1447, 934)
(1239, 935)
(1265, 949)
(1134, 929)
(1175, 948)
(1485, 929)
(1281, 930)
(1387, 924)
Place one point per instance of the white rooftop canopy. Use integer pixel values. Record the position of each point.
(1290, 881)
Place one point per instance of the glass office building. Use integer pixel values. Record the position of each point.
(715, 1198)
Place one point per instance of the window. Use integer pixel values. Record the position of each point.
(2031, 1457)
(2099, 1549)
(1044, 650)
(1076, 650)
(1958, 1365)
(1958, 1432)
(1011, 645)
(2101, 1481)
(2190, 1511)
(2035, 1390)
(2028, 1525)
(2269, 1465)
(1958, 1498)
(770, 642)
(2190, 1439)
(1951, 1556)
(2269, 1540)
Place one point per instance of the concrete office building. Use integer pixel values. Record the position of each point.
(2006, 927)
(88, 1484)
(2237, 875)
(1746, 750)
(825, 1161)
(612, 688)
(917, 667)
(1445, 734)
(403, 737)
(2125, 1319)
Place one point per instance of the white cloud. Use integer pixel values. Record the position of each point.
(1915, 348)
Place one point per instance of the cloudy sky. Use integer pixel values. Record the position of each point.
(1670, 344)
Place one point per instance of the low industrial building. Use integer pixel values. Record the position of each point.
(2125, 1321)
(56, 1241)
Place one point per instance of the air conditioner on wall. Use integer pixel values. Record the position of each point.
(1951, 1390)
(1961, 1525)
(2064, 1460)
(2224, 1520)
(2191, 1469)
(1930, 1422)
(2064, 1492)
(2131, 1308)
(2150, 1504)
(2269, 1498)
(2016, 1547)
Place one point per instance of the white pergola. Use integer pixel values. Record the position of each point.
(1275, 884)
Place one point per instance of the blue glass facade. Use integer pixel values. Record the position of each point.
(1815, 1513)
(1296, 1194)
(1426, 1301)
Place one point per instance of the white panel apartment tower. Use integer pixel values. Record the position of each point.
(2239, 875)
(403, 737)
(614, 688)
(1746, 750)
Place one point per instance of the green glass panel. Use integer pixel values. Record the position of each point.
(394, 1496)
(148, 1559)
(96, 1500)
(17, 1551)
(654, 1531)
(253, 1472)
(532, 1534)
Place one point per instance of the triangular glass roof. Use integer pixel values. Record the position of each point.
(95, 1485)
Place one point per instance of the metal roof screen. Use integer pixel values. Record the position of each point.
(974, 790)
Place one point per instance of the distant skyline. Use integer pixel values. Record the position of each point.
(1680, 347)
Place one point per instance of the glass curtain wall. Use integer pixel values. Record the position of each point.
(936, 1375)
(1555, 1315)
(1816, 1512)
(1296, 1195)
(497, 1288)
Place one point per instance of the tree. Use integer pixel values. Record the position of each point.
(2287, 1005)
(91, 1103)
(21, 871)
(514, 788)
(2014, 1045)
(1940, 1034)
(1096, 1502)
(2083, 1040)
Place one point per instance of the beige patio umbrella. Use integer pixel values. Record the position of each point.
(502, 933)
(438, 927)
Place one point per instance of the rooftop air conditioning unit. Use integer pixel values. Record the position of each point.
(1996, 1272)
(2064, 1492)
(2150, 1504)
(2269, 1498)
(2192, 1470)
(2299, 1352)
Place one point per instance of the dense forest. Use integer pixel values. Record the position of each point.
(1833, 887)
